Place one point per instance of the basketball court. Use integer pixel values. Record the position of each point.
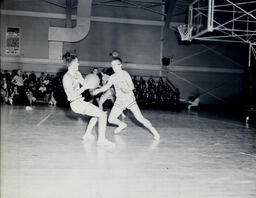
(200, 154)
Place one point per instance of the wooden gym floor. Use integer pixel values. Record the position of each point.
(200, 155)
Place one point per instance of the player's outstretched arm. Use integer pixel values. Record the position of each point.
(103, 88)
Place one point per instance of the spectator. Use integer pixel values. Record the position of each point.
(193, 103)
(13, 94)
(4, 90)
(25, 76)
(95, 70)
(17, 78)
(14, 73)
(194, 100)
(1, 75)
(42, 77)
(52, 100)
(136, 86)
(142, 90)
(20, 95)
(32, 77)
(8, 77)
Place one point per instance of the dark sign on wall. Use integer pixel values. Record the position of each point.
(12, 41)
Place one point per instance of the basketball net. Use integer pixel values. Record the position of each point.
(185, 32)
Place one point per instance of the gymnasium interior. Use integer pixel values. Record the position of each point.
(193, 65)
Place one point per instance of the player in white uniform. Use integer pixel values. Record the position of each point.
(125, 98)
(107, 95)
(71, 83)
(110, 93)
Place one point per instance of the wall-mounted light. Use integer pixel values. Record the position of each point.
(114, 54)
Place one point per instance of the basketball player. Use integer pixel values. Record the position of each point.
(125, 98)
(110, 93)
(71, 83)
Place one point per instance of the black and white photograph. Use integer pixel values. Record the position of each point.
(128, 99)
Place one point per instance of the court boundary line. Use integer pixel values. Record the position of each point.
(44, 119)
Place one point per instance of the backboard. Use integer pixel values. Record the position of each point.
(200, 17)
(223, 20)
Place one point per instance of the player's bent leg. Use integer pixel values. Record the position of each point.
(113, 119)
(88, 133)
(138, 115)
(94, 111)
(112, 98)
(123, 116)
(102, 101)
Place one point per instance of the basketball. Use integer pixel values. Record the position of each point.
(93, 80)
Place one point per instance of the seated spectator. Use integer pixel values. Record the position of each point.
(95, 70)
(25, 76)
(52, 100)
(42, 77)
(193, 103)
(194, 100)
(136, 86)
(151, 80)
(20, 95)
(1, 75)
(58, 90)
(4, 90)
(32, 86)
(135, 81)
(49, 88)
(42, 89)
(151, 86)
(13, 95)
(8, 77)
(160, 81)
(30, 97)
(32, 77)
(142, 90)
(142, 84)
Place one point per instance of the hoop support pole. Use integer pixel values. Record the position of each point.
(250, 54)
(210, 15)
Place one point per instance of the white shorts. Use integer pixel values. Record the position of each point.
(80, 106)
(126, 103)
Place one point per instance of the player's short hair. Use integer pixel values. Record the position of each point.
(108, 71)
(117, 58)
(68, 58)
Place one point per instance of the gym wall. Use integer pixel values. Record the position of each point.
(136, 40)
(213, 69)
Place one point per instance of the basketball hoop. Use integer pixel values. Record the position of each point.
(185, 32)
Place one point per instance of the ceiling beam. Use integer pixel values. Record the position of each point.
(55, 3)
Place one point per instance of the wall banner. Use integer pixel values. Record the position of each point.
(13, 41)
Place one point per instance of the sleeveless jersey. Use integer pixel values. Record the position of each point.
(75, 86)
(123, 84)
